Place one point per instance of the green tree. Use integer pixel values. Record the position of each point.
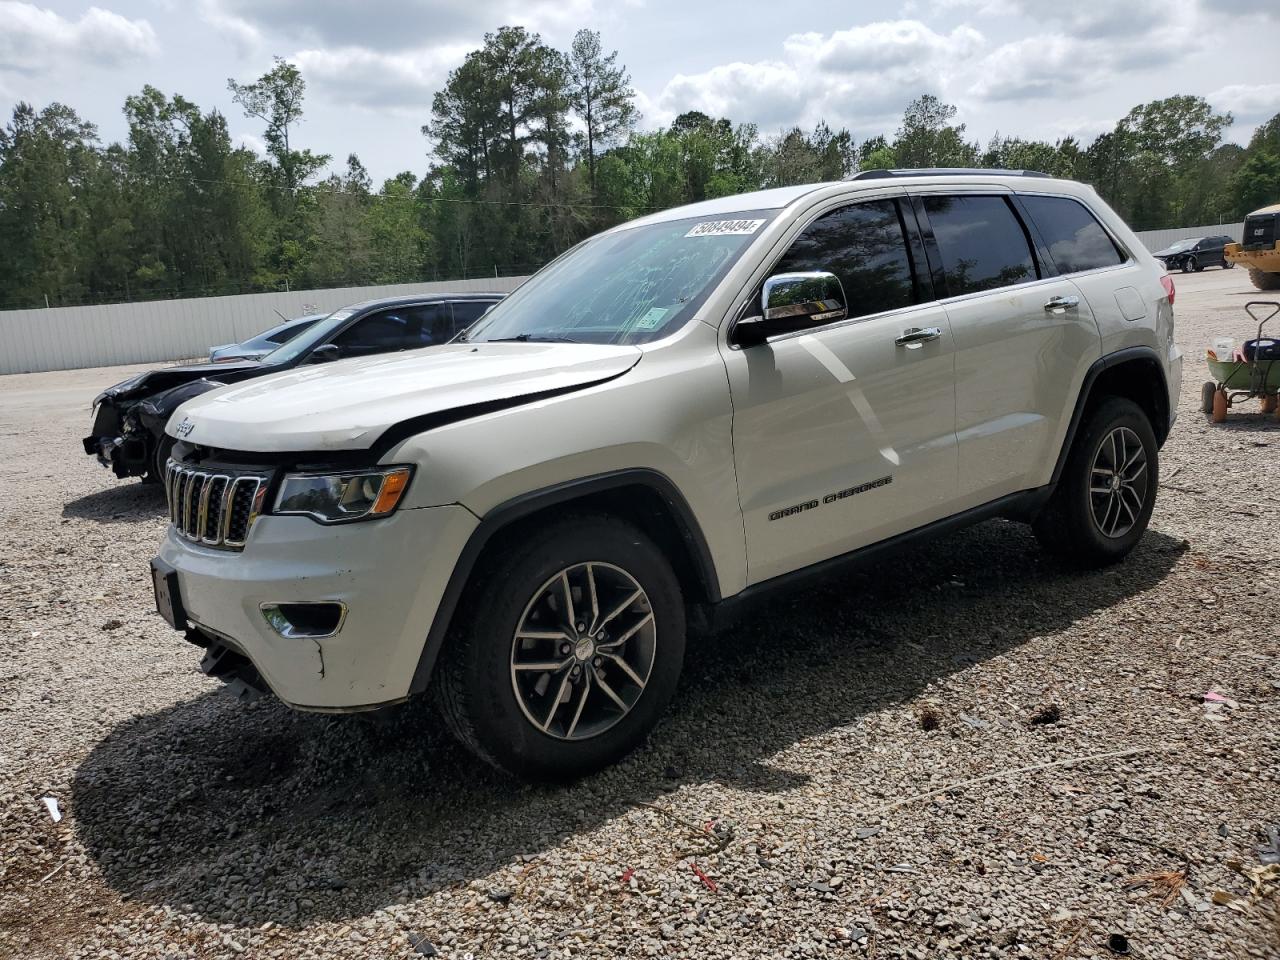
(400, 245)
(601, 94)
(48, 161)
(927, 138)
(339, 249)
(1257, 182)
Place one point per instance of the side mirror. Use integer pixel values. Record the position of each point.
(793, 301)
(324, 353)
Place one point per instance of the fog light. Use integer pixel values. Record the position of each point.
(310, 619)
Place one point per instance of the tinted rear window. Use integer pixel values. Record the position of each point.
(1076, 240)
(982, 243)
(864, 246)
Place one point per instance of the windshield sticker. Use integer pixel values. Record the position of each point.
(652, 318)
(725, 228)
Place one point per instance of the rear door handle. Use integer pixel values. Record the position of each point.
(1057, 304)
(913, 337)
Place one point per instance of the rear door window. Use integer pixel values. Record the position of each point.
(982, 243)
(1076, 240)
(865, 246)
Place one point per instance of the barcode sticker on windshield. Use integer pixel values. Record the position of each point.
(725, 228)
(652, 318)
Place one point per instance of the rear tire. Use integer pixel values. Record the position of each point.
(558, 723)
(1104, 498)
(1264, 280)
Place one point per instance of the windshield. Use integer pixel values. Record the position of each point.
(318, 333)
(633, 286)
(1184, 245)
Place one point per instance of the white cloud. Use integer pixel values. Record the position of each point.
(393, 25)
(362, 77)
(243, 35)
(1248, 103)
(1081, 56)
(861, 78)
(885, 45)
(35, 40)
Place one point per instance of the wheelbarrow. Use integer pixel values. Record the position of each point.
(1252, 373)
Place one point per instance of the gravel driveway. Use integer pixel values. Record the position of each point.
(792, 804)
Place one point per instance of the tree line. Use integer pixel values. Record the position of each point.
(530, 149)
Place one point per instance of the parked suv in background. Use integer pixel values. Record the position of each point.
(676, 416)
(1196, 254)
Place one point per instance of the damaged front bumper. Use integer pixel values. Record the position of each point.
(123, 456)
(387, 577)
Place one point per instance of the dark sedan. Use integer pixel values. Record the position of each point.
(129, 418)
(1195, 254)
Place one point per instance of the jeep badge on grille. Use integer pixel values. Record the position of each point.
(185, 427)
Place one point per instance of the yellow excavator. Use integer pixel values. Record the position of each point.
(1260, 249)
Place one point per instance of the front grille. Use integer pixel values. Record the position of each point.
(1260, 232)
(213, 507)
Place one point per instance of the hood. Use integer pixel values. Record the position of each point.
(154, 381)
(349, 404)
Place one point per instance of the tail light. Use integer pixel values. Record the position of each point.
(1167, 282)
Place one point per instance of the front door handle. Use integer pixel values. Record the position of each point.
(1058, 304)
(913, 337)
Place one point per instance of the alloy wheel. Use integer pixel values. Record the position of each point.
(583, 651)
(1118, 482)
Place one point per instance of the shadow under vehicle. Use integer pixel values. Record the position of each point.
(249, 815)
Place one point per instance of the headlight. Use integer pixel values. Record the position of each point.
(340, 497)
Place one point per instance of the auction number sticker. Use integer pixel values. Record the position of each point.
(725, 228)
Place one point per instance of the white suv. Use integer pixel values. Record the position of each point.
(675, 416)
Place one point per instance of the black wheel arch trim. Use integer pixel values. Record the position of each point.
(517, 508)
(1096, 369)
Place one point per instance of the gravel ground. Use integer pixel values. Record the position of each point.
(790, 806)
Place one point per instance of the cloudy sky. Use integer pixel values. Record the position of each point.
(1041, 68)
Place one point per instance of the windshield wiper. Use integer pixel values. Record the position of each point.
(531, 338)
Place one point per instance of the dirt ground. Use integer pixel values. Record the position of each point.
(793, 804)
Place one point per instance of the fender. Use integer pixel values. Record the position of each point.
(522, 506)
(1096, 369)
(154, 412)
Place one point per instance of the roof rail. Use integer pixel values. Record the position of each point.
(943, 171)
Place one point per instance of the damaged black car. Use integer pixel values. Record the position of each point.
(129, 418)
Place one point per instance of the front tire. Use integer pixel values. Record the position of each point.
(568, 651)
(1107, 490)
(1188, 264)
(162, 447)
(1264, 279)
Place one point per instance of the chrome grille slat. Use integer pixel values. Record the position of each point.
(213, 508)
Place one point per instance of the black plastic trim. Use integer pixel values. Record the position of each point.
(1086, 388)
(906, 173)
(1015, 506)
(522, 506)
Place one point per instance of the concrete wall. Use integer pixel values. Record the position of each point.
(67, 338)
(1159, 239)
